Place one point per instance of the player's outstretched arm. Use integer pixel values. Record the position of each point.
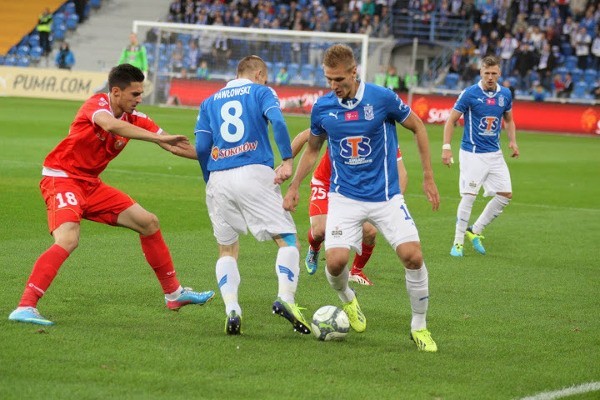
(305, 165)
(122, 128)
(511, 132)
(414, 123)
(447, 158)
(299, 141)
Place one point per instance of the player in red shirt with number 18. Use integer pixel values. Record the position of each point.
(73, 191)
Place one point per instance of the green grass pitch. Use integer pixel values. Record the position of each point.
(521, 320)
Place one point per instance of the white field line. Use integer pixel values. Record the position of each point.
(570, 391)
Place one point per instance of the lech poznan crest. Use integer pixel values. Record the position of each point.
(369, 114)
(501, 101)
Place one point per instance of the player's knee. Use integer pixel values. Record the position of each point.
(148, 224)
(504, 198)
(369, 234)
(410, 255)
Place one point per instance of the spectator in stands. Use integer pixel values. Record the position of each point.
(536, 15)
(64, 58)
(175, 11)
(545, 66)
(558, 84)
(80, 6)
(525, 60)
(202, 71)
(581, 41)
(476, 33)
(539, 92)
(486, 48)
(566, 92)
(282, 77)
(488, 14)
(135, 54)
(378, 28)
(568, 30)
(595, 49)
(596, 90)
(506, 83)
(368, 8)
(508, 45)
(392, 80)
(192, 56)
(44, 27)
(457, 62)
(177, 56)
(221, 51)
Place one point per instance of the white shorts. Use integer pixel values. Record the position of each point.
(346, 217)
(483, 169)
(245, 198)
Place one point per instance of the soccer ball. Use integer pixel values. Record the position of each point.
(330, 323)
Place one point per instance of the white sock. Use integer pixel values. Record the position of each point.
(228, 278)
(463, 213)
(340, 285)
(493, 208)
(287, 270)
(417, 286)
(174, 295)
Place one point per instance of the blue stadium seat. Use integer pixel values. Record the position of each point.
(10, 60)
(293, 70)
(562, 71)
(307, 72)
(69, 8)
(36, 53)
(451, 81)
(1, 59)
(58, 18)
(59, 32)
(590, 75)
(72, 22)
(95, 3)
(577, 74)
(23, 61)
(566, 49)
(149, 48)
(571, 63)
(23, 50)
(579, 90)
(33, 40)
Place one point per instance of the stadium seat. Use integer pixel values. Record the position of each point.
(36, 53)
(23, 50)
(23, 61)
(293, 70)
(451, 81)
(59, 32)
(571, 63)
(72, 22)
(579, 90)
(149, 48)
(95, 3)
(232, 66)
(562, 71)
(58, 18)
(10, 60)
(1, 60)
(307, 72)
(566, 49)
(590, 75)
(69, 8)
(33, 40)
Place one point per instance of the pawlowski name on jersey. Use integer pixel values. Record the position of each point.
(237, 134)
(86, 151)
(362, 141)
(483, 111)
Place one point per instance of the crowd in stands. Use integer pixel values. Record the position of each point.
(49, 35)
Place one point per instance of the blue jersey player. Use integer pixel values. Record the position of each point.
(358, 121)
(484, 106)
(242, 190)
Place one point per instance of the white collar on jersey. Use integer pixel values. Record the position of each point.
(238, 82)
(487, 92)
(351, 103)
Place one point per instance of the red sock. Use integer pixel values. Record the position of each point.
(314, 244)
(361, 260)
(44, 270)
(158, 256)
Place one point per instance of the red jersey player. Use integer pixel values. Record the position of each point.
(319, 189)
(73, 191)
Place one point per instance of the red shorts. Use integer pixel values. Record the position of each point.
(319, 200)
(70, 200)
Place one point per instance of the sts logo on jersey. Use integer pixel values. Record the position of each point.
(355, 150)
(488, 126)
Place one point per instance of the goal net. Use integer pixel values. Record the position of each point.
(209, 52)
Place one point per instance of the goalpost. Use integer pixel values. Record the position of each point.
(174, 48)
